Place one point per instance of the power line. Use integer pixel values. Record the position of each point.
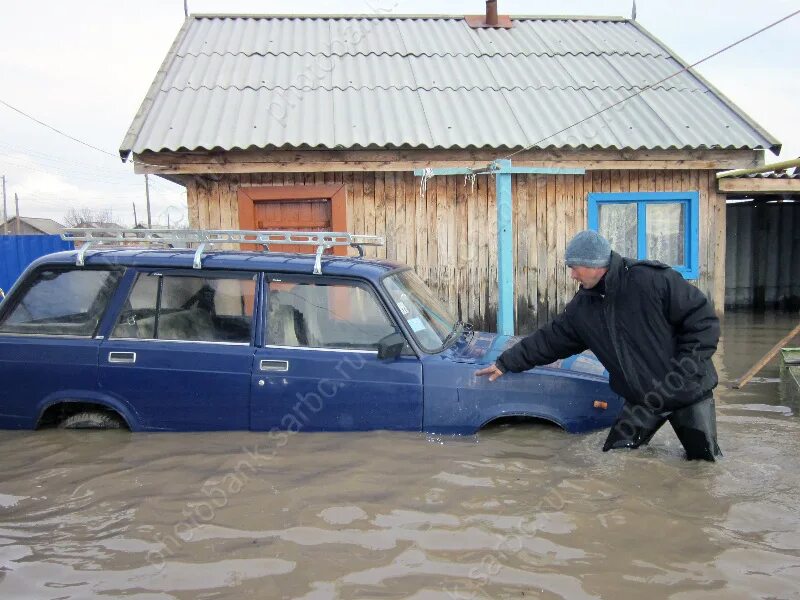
(63, 198)
(123, 179)
(56, 172)
(25, 161)
(652, 85)
(33, 207)
(58, 131)
(59, 197)
(99, 195)
(89, 169)
(27, 151)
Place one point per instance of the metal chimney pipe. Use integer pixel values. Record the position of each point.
(491, 13)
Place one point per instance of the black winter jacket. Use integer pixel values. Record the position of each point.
(653, 331)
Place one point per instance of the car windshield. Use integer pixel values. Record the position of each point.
(428, 317)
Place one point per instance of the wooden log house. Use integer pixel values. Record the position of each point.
(278, 122)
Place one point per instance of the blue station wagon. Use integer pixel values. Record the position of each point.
(190, 340)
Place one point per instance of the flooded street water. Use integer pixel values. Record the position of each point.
(515, 512)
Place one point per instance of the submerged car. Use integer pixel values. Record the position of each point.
(187, 340)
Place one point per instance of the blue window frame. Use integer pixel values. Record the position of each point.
(673, 236)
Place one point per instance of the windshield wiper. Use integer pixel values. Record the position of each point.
(453, 335)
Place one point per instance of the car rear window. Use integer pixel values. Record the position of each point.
(61, 302)
(189, 308)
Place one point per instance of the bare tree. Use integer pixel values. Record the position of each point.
(75, 217)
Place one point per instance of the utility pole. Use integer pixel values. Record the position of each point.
(135, 218)
(168, 227)
(147, 194)
(185, 8)
(5, 208)
(16, 202)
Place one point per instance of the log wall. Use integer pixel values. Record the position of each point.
(448, 234)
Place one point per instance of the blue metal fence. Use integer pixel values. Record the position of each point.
(18, 251)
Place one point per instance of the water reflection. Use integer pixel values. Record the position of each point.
(514, 510)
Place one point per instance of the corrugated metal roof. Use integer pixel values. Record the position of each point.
(387, 71)
(238, 82)
(422, 36)
(788, 174)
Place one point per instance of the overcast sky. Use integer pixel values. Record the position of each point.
(84, 67)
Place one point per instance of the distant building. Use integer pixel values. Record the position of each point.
(32, 226)
(97, 225)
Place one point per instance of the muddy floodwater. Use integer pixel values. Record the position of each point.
(515, 512)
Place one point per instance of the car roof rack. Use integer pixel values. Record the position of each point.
(323, 240)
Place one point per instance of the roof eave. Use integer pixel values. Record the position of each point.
(455, 148)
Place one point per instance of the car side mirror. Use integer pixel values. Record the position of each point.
(391, 346)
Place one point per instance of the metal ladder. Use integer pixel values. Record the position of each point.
(323, 240)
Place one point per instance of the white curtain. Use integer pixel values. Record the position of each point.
(618, 224)
(665, 233)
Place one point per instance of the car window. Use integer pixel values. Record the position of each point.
(189, 308)
(426, 315)
(322, 315)
(62, 302)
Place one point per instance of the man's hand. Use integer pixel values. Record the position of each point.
(492, 371)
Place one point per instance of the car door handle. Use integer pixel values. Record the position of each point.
(275, 365)
(122, 357)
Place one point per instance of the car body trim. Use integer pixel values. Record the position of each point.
(49, 335)
(350, 350)
(121, 339)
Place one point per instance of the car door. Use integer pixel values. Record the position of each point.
(48, 343)
(180, 352)
(319, 367)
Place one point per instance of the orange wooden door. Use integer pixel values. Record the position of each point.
(313, 214)
(298, 208)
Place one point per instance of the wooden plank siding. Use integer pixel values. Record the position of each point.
(449, 234)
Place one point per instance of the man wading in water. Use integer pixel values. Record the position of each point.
(653, 331)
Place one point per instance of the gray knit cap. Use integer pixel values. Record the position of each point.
(588, 249)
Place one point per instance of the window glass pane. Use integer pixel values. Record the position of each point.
(325, 316)
(665, 232)
(426, 315)
(138, 316)
(210, 309)
(618, 223)
(62, 302)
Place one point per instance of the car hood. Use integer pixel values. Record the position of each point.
(481, 347)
